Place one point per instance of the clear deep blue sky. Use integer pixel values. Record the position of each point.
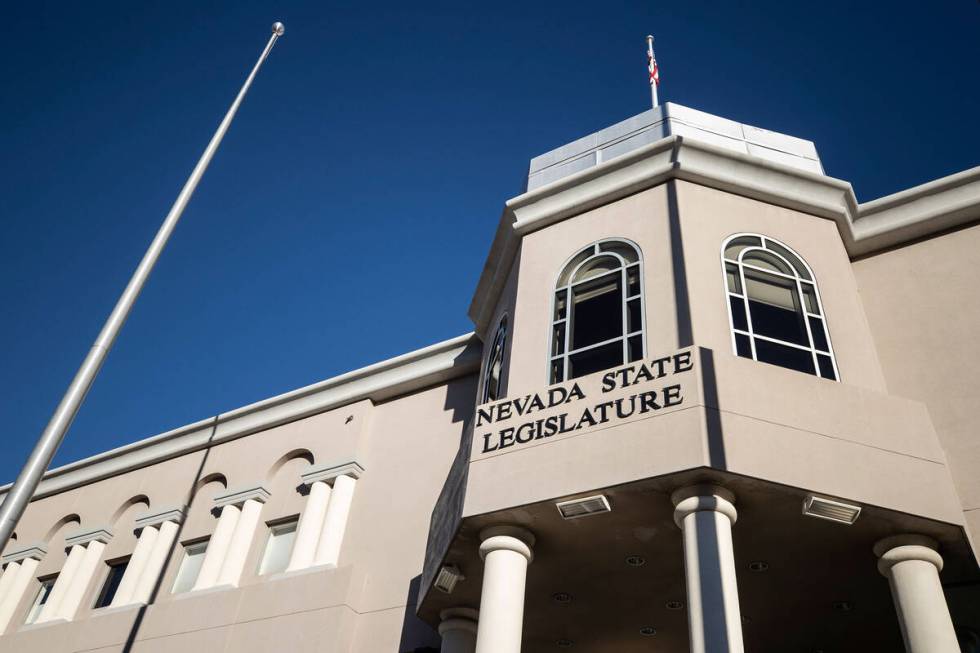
(347, 216)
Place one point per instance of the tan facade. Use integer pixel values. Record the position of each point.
(414, 518)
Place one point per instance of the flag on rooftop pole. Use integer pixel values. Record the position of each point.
(654, 72)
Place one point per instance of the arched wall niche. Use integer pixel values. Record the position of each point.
(54, 541)
(200, 520)
(123, 526)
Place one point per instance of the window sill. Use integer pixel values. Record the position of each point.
(42, 624)
(98, 612)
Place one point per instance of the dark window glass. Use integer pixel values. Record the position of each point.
(635, 345)
(111, 584)
(819, 335)
(557, 371)
(743, 346)
(560, 304)
(595, 360)
(738, 313)
(826, 367)
(558, 340)
(794, 359)
(775, 306)
(633, 280)
(597, 311)
(633, 313)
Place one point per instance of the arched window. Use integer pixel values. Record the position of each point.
(495, 361)
(774, 306)
(597, 322)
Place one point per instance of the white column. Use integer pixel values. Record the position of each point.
(23, 574)
(458, 630)
(137, 562)
(506, 553)
(309, 527)
(705, 514)
(335, 521)
(62, 583)
(154, 562)
(241, 541)
(9, 572)
(81, 580)
(217, 547)
(912, 564)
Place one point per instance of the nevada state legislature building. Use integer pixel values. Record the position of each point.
(711, 403)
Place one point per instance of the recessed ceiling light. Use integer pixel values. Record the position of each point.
(564, 643)
(837, 511)
(636, 560)
(576, 508)
(759, 565)
(843, 606)
(648, 631)
(674, 605)
(561, 597)
(447, 578)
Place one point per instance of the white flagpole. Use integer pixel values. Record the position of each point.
(19, 495)
(652, 68)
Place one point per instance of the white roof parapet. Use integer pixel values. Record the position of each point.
(241, 495)
(666, 120)
(331, 471)
(157, 516)
(35, 550)
(391, 378)
(99, 534)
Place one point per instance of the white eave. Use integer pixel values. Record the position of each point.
(397, 376)
(866, 228)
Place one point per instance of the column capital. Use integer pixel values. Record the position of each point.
(240, 495)
(697, 498)
(458, 619)
(902, 548)
(507, 537)
(35, 550)
(99, 534)
(157, 516)
(331, 471)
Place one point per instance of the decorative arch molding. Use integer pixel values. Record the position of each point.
(59, 525)
(138, 500)
(295, 454)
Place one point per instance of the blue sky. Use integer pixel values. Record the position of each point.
(347, 216)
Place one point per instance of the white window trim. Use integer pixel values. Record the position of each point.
(796, 278)
(555, 289)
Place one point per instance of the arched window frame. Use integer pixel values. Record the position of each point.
(495, 354)
(800, 277)
(565, 354)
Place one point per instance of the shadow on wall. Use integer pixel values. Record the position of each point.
(417, 636)
(195, 485)
(461, 392)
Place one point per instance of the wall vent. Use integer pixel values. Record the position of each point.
(842, 513)
(448, 576)
(583, 507)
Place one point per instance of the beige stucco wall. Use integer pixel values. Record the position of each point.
(924, 308)
(366, 604)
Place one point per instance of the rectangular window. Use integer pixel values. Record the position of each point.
(111, 584)
(190, 566)
(278, 547)
(42, 597)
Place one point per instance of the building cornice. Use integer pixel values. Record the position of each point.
(382, 381)
(865, 228)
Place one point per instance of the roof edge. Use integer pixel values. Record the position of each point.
(903, 217)
(380, 381)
